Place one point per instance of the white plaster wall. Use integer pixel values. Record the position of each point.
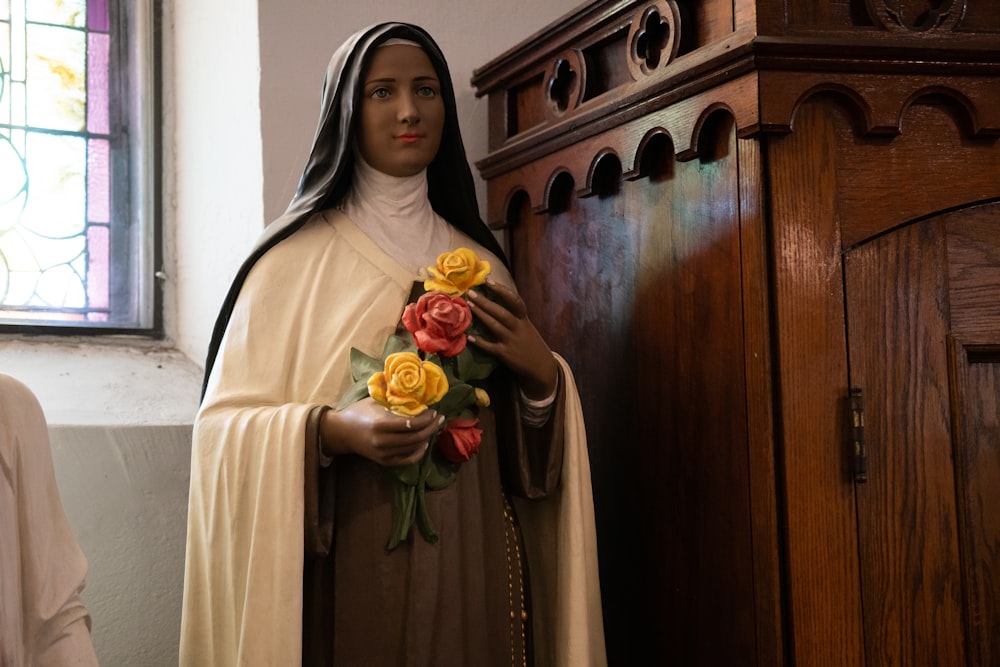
(124, 489)
(212, 142)
(86, 383)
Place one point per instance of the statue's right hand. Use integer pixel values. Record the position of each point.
(368, 429)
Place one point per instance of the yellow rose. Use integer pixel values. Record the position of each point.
(482, 398)
(408, 384)
(456, 272)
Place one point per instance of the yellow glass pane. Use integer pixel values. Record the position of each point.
(56, 78)
(58, 12)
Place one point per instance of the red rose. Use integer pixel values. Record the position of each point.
(459, 441)
(438, 323)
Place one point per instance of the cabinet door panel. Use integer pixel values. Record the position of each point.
(973, 239)
(927, 536)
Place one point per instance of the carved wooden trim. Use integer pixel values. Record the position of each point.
(615, 78)
(603, 156)
(654, 38)
(565, 82)
(917, 15)
(559, 184)
(666, 88)
(681, 124)
(879, 101)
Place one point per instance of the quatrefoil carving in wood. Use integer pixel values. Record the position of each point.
(565, 84)
(654, 38)
(917, 15)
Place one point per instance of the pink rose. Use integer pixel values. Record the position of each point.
(460, 439)
(438, 323)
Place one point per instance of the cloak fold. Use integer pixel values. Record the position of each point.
(43, 622)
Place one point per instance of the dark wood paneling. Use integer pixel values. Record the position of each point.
(642, 292)
(975, 364)
(885, 183)
(760, 395)
(974, 269)
(812, 370)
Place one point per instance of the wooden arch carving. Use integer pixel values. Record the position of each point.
(650, 142)
(613, 151)
(881, 103)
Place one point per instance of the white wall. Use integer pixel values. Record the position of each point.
(124, 490)
(212, 145)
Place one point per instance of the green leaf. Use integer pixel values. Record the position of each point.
(423, 517)
(441, 475)
(475, 364)
(408, 475)
(363, 366)
(358, 391)
(396, 343)
(404, 509)
(459, 396)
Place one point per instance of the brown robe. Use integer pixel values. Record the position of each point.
(462, 601)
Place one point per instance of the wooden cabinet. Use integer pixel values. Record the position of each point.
(728, 216)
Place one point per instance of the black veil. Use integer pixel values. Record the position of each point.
(328, 172)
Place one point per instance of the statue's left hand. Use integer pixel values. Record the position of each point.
(516, 342)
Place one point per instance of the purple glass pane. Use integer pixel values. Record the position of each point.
(97, 266)
(97, 83)
(98, 180)
(97, 15)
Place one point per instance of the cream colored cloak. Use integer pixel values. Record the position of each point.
(286, 351)
(43, 622)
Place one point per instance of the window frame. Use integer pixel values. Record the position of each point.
(136, 244)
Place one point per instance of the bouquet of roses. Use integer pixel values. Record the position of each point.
(431, 366)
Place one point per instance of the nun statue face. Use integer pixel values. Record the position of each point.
(402, 112)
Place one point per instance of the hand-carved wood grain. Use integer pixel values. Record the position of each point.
(917, 15)
(654, 37)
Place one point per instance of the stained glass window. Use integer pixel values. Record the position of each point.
(76, 226)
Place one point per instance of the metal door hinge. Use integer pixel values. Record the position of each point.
(859, 459)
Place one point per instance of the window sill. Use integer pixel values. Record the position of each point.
(81, 382)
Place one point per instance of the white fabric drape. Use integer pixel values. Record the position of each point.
(43, 622)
